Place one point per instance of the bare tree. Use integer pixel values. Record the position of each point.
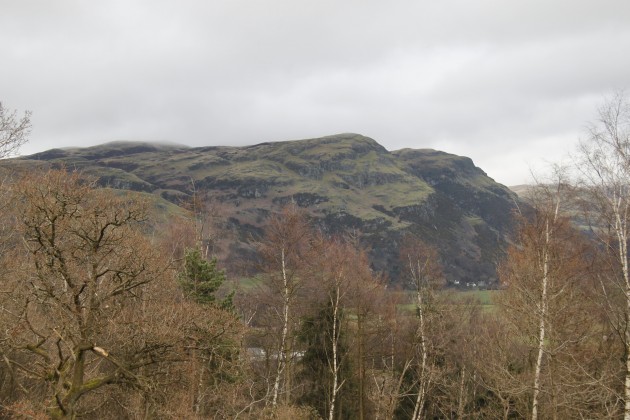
(604, 162)
(366, 300)
(391, 362)
(285, 253)
(546, 276)
(14, 131)
(336, 273)
(86, 264)
(543, 249)
(348, 283)
(423, 269)
(500, 367)
(333, 335)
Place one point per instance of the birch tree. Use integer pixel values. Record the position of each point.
(424, 272)
(348, 281)
(286, 253)
(550, 220)
(604, 162)
(545, 274)
(336, 294)
(393, 359)
(334, 336)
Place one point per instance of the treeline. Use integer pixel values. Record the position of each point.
(105, 314)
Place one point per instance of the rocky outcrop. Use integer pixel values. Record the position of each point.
(348, 183)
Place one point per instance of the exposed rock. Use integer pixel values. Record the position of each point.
(348, 183)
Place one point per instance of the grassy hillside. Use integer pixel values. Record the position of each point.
(347, 182)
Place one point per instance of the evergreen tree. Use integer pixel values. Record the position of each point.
(200, 280)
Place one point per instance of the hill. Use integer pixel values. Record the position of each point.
(348, 183)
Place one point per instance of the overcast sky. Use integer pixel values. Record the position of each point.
(509, 83)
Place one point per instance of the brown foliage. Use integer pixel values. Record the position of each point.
(547, 276)
(96, 322)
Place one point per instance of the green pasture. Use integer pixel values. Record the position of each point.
(485, 298)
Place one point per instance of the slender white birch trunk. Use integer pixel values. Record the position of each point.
(285, 331)
(543, 306)
(607, 157)
(421, 335)
(620, 209)
(335, 350)
(542, 314)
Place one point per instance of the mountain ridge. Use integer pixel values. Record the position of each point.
(347, 182)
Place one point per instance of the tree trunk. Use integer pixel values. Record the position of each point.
(621, 231)
(199, 394)
(542, 313)
(462, 397)
(281, 356)
(361, 365)
(422, 380)
(335, 350)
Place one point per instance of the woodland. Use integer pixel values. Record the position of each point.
(104, 315)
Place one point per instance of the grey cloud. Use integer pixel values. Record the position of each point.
(500, 81)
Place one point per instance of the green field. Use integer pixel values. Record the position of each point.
(246, 283)
(485, 298)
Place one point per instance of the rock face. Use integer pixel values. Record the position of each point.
(347, 182)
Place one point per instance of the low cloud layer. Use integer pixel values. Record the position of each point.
(509, 84)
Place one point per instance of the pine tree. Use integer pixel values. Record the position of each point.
(200, 279)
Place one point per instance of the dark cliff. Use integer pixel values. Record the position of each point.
(347, 182)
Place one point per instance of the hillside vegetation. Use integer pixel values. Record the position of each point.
(348, 183)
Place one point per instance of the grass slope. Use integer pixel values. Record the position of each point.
(347, 182)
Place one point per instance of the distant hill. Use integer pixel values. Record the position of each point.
(348, 183)
(521, 190)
